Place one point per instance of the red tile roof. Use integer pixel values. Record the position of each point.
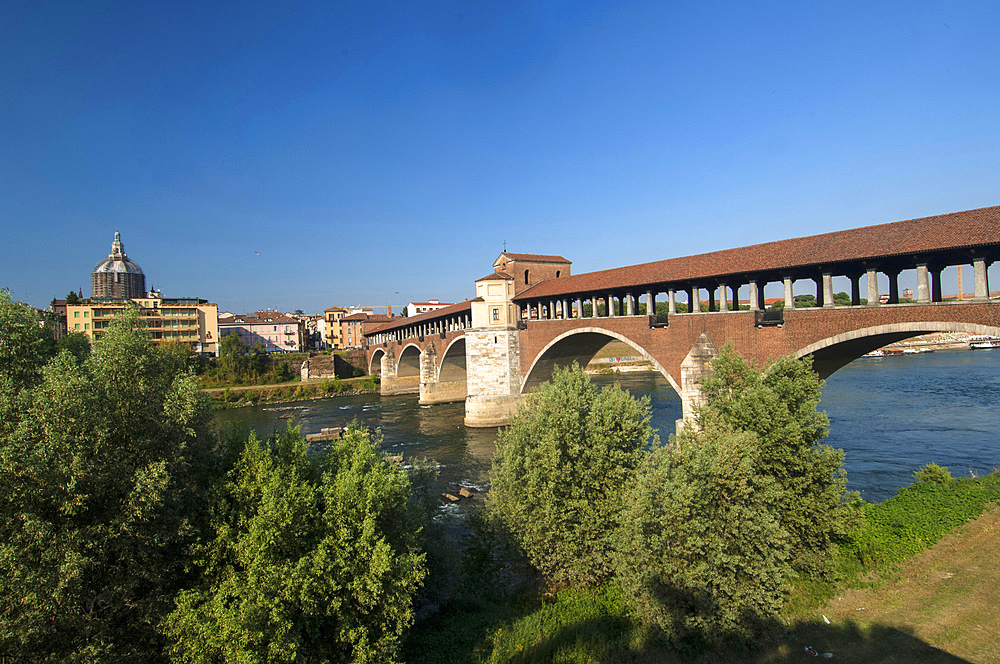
(452, 310)
(534, 258)
(496, 276)
(956, 230)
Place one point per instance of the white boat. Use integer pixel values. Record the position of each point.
(984, 341)
(874, 353)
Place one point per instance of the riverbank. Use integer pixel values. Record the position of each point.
(929, 599)
(240, 396)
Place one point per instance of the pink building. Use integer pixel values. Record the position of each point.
(277, 332)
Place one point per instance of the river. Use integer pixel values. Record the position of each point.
(890, 415)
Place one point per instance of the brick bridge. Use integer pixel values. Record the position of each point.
(490, 350)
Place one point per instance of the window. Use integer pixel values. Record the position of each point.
(76, 326)
(86, 314)
(496, 313)
(76, 314)
(557, 274)
(86, 326)
(525, 277)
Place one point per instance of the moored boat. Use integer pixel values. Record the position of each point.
(984, 341)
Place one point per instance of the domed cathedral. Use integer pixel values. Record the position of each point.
(118, 276)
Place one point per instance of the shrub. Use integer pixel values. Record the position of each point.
(779, 405)
(560, 468)
(933, 473)
(701, 547)
(313, 558)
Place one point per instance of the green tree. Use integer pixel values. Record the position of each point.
(559, 470)
(72, 298)
(842, 299)
(701, 549)
(25, 344)
(77, 344)
(779, 405)
(313, 559)
(99, 499)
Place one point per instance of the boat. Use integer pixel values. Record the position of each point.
(875, 353)
(980, 341)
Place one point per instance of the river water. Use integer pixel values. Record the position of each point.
(890, 415)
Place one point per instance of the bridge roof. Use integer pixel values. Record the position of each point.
(443, 312)
(954, 231)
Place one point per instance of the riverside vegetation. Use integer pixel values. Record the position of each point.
(130, 530)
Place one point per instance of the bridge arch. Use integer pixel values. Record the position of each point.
(581, 345)
(408, 361)
(837, 351)
(375, 364)
(452, 365)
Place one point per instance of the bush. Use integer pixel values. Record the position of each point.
(779, 405)
(701, 548)
(933, 473)
(560, 468)
(313, 558)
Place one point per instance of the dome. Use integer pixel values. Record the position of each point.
(117, 276)
(117, 261)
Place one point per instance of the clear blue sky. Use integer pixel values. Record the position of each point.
(382, 152)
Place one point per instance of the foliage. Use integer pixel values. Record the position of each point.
(915, 518)
(72, 298)
(25, 345)
(77, 344)
(933, 473)
(559, 469)
(313, 558)
(779, 405)
(102, 479)
(701, 548)
(841, 299)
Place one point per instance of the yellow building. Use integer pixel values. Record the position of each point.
(188, 320)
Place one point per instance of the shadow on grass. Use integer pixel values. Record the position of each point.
(467, 633)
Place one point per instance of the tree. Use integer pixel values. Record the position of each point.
(559, 470)
(72, 298)
(77, 344)
(779, 405)
(313, 558)
(842, 299)
(701, 548)
(101, 491)
(234, 357)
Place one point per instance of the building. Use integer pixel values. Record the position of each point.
(354, 327)
(333, 316)
(275, 331)
(117, 276)
(186, 320)
(529, 269)
(417, 308)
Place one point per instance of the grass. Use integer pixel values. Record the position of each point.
(917, 582)
(251, 395)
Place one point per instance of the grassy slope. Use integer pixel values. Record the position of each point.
(937, 606)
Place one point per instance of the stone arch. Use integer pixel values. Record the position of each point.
(838, 350)
(375, 363)
(408, 361)
(452, 366)
(581, 345)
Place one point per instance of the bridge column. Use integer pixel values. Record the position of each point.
(694, 300)
(695, 367)
(819, 291)
(936, 284)
(982, 283)
(893, 286)
(828, 289)
(873, 297)
(671, 302)
(755, 293)
(789, 298)
(723, 298)
(579, 307)
(923, 283)
(855, 288)
(629, 305)
(650, 303)
(611, 306)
